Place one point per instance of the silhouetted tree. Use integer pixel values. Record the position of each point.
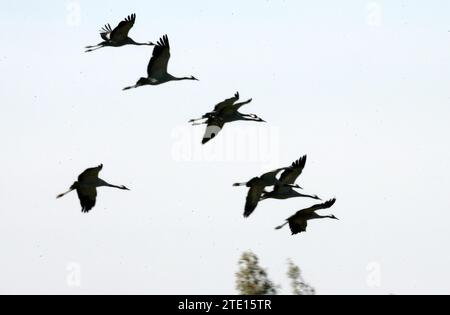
(298, 284)
(252, 279)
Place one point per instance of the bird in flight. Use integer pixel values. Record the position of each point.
(86, 187)
(157, 68)
(223, 113)
(119, 36)
(299, 222)
(286, 190)
(257, 186)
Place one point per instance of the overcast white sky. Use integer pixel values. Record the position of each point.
(362, 87)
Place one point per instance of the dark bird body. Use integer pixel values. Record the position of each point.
(299, 222)
(119, 36)
(257, 186)
(86, 188)
(224, 113)
(285, 190)
(157, 68)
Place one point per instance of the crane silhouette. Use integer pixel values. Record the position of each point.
(157, 68)
(286, 190)
(86, 187)
(299, 222)
(257, 186)
(223, 113)
(119, 36)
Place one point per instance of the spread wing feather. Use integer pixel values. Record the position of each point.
(291, 175)
(160, 59)
(90, 175)
(322, 206)
(227, 102)
(88, 197)
(120, 33)
(253, 197)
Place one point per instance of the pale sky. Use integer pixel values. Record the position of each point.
(361, 87)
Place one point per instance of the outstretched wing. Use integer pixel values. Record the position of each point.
(299, 221)
(90, 175)
(160, 59)
(120, 33)
(253, 197)
(105, 32)
(272, 176)
(226, 103)
(323, 206)
(298, 226)
(290, 176)
(88, 197)
(214, 127)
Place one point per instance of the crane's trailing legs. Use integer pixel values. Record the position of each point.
(93, 48)
(281, 226)
(65, 193)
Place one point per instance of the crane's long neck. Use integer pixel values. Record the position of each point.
(132, 42)
(248, 118)
(300, 195)
(182, 78)
(251, 117)
(317, 216)
(102, 183)
(114, 186)
(143, 44)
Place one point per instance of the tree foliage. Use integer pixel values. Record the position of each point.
(298, 284)
(252, 279)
